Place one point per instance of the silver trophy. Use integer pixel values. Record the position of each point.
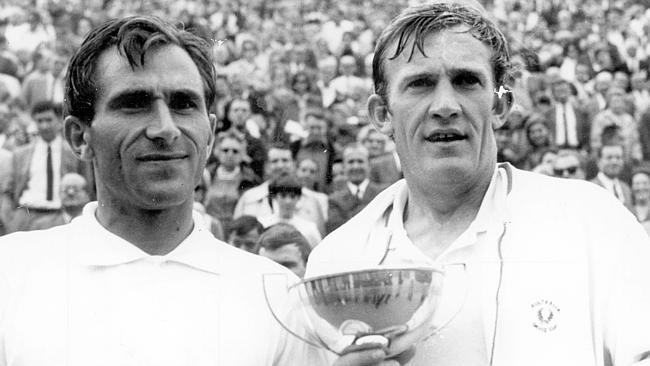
(393, 307)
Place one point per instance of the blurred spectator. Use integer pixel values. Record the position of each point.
(74, 196)
(244, 233)
(568, 123)
(610, 167)
(212, 223)
(284, 194)
(238, 117)
(32, 190)
(349, 88)
(548, 157)
(568, 164)
(538, 139)
(285, 245)
(316, 146)
(616, 114)
(9, 62)
(640, 94)
(339, 179)
(230, 176)
(641, 195)
(358, 192)
(326, 74)
(307, 173)
(373, 140)
(602, 83)
(39, 85)
(256, 201)
(7, 141)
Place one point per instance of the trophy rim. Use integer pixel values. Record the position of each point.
(369, 270)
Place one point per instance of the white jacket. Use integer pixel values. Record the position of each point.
(573, 281)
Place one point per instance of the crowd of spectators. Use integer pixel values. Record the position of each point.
(293, 142)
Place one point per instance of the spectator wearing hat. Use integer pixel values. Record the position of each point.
(285, 245)
(568, 123)
(284, 193)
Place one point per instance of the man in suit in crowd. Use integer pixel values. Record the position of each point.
(568, 123)
(32, 188)
(359, 190)
(256, 201)
(610, 167)
(74, 196)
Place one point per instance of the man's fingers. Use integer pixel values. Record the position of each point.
(371, 354)
(362, 357)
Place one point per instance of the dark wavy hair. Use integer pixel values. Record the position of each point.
(413, 25)
(133, 36)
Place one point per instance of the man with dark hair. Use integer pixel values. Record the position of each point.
(284, 193)
(284, 244)
(256, 202)
(32, 189)
(244, 233)
(556, 270)
(138, 279)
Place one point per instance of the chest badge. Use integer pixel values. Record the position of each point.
(546, 315)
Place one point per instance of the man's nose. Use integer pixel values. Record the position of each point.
(444, 104)
(162, 125)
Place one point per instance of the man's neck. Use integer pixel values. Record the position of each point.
(434, 220)
(156, 232)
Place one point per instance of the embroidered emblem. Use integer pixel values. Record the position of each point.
(546, 315)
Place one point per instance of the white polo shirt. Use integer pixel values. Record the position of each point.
(79, 295)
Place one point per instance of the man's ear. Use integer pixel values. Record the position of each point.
(502, 103)
(213, 126)
(77, 134)
(380, 115)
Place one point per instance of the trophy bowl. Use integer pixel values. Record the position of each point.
(393, 307)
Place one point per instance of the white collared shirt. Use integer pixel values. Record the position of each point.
(358, 190)
(79, 295)
(473, 248)
(34, 195)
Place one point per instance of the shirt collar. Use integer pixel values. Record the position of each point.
(607, 181)
(96, 246)
(361, 188)
(491, 210)
(54, 144)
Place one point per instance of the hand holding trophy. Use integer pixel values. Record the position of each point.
(394, 307)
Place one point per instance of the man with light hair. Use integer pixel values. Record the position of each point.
(556, 270)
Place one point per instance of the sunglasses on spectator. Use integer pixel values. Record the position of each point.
(570, 170)
(227, 150)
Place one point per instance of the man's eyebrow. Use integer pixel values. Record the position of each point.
(467, 71)
(128, 96)
(185, 94)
